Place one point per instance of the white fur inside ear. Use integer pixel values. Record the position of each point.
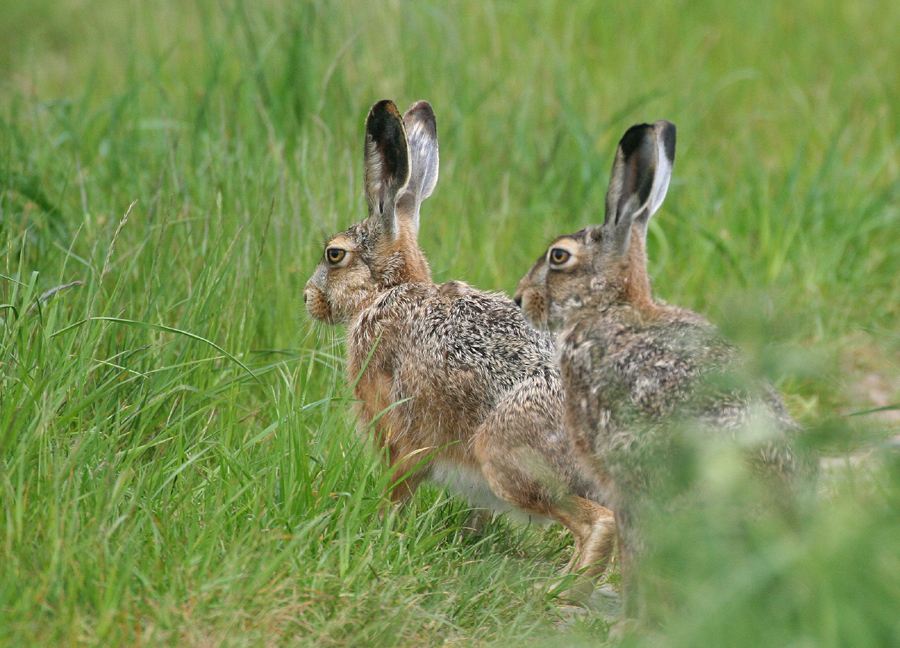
(375, 177)
(662, 177)
(423, 153)
(423, 172)
(629, 209)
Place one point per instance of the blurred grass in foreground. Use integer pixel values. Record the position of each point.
(156, 493)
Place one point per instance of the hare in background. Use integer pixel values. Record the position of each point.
(638, 373)
(451, 380)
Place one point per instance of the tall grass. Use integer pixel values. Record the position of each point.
(178, 458)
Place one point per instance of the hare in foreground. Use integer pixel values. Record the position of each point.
(637, 373)
(453, 382)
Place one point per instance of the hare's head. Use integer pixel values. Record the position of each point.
(401, 170)
(605, 264)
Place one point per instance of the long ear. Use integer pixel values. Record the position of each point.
(421, 132)
(665, 160)
(386, 163)
(640, 179)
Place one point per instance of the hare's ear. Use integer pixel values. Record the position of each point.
(421, 132)
(665, 160)
(386, 164)
(640, 178)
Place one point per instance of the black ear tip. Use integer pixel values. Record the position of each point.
(382, 107)
(634, 137)
(666, 130)
(381, 115)
(386, 142)
(384, 122)
(421, 112)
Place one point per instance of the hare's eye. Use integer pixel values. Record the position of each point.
(335, 255)
(558, 256)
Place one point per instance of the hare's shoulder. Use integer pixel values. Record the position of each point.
(626, 340)
(389, 318)
(398, 303)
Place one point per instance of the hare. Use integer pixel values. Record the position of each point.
(638, 373)
(451, 381)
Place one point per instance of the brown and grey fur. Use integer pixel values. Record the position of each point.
(454, 383)
(638, 374)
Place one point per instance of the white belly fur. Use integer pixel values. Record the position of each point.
(469, 484)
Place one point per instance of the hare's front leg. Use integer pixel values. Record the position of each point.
(408, 467)
(631, 552)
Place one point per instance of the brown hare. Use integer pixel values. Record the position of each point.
(638, 374)
(452, 381)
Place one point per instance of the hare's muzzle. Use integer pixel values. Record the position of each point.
(531, 302)
(309, 292)
(316, 303)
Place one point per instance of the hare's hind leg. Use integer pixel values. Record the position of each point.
(593, 526)
(593, 556)
(593, 545)
(522, 475)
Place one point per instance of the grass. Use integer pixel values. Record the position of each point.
(178, 458)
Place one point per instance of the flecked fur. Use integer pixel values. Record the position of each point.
(454, 383)
(639, 375)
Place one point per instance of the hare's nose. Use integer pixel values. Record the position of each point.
(305, 294)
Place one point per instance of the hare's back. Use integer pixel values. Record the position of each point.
(653, 371)
(462, 329)
(437, 331)
(645, 376)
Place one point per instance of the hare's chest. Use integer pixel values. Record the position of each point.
(590, 397)
(372, 343)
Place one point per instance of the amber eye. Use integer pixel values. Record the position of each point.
(558, 256)
(335, 255)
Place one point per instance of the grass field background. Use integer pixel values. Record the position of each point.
(178, 461)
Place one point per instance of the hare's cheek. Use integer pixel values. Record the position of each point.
(556, 316)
